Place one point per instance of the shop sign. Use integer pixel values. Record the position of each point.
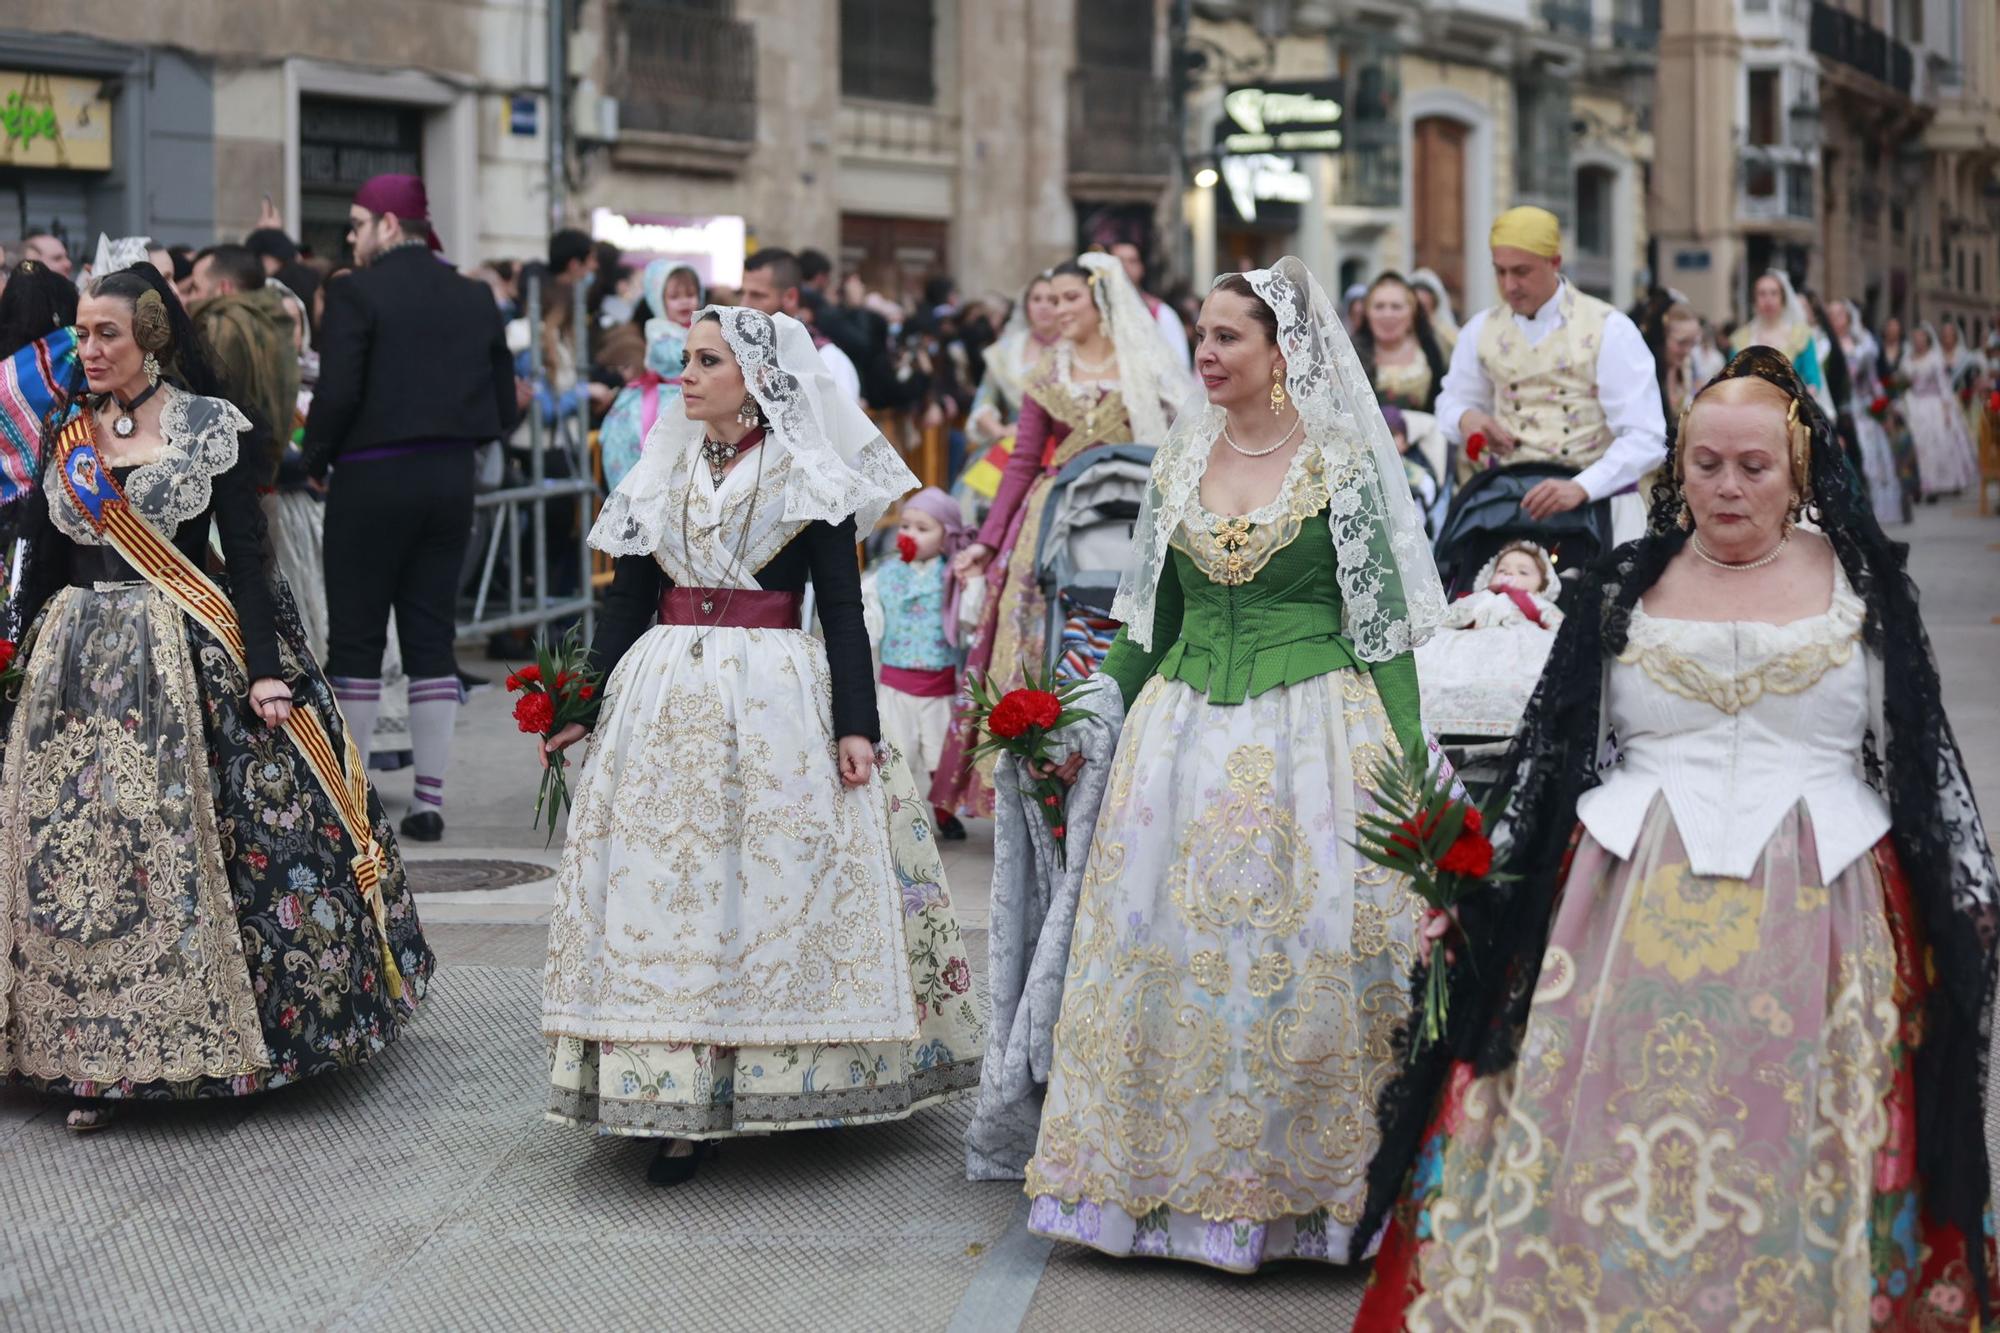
(1295, 117)
(1263, 178)
(54, 120)
(713, 246)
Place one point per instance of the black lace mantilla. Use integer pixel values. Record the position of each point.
(1935, 828)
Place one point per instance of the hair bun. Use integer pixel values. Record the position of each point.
(150, 326)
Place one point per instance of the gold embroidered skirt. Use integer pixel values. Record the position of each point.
(714, 962)
(1237, 976)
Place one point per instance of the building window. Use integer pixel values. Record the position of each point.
(1766, 109)
(1594, 186)
(1115, 32)
(887, 50)
(1372, 164)
(1542, 143)
(341, 144)
(685, 67)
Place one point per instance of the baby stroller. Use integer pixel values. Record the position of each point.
(1484, 516)
(1086, 542)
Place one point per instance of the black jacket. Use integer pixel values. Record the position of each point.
(825, 554)
(409, 350)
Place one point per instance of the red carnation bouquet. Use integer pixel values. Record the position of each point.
(10, 669)
(1019, 723)
(1879, 407)
(1422, 830)
(556, 689)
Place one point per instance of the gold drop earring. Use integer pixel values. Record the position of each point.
(151, 365)
(1277, 390)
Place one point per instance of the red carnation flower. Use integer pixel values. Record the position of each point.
(527, 675)
(1475, 445)
(587, 692)
(535, 713)
(1008, 718)
(1471, 855)
(1993, 401)
(7, 651)
(1474, 821)
(906, 546)
(1042, 707)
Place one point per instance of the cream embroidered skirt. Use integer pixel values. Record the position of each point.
(1237, 976)
(740, 943)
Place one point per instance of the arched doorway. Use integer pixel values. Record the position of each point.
(1438, 201)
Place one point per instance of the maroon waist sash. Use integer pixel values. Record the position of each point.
(734, 608)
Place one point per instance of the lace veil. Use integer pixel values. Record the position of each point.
(1149, 379)
(841, 466)
(1388, 582)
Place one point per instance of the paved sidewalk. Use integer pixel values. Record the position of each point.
(426, 1192)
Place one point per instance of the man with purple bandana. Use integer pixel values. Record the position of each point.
(414, 375)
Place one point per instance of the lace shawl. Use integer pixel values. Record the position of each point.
(1391, 597)
(841, 467)
(200, 444)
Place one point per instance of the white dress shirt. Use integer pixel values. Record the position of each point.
(841, 367)
(1626, 387)
(1172, 333)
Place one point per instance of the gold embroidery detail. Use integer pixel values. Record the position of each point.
(1791, 672)
(1233, 551)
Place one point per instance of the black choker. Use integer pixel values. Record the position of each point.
(124, 426)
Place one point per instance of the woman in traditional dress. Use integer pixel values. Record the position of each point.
(1397, 346)
(1237, 971)
(1966, 366)
(1781, 321)
(672, 292)
(752, 931)
(1436, 300)
(1878, 454)
(1716, 1059)
(1111, 380)
(1033, 327)
(1946, 462)
(198, 895)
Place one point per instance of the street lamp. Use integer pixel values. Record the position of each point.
(1804, 116)
(1205, 179)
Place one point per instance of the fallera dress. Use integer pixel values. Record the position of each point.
(1237, 972)
(1712, 1120)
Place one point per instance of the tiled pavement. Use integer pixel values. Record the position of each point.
(426, 1192)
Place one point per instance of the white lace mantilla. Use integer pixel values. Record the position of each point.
(841, 467)
(1391, 597)
(199, 444)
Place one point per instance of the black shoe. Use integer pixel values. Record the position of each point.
(950, 830)
(423, 826)
(469, 682)
(668, 1170)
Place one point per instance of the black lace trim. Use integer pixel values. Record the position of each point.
(1935, 829)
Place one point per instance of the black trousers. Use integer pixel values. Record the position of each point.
(396, 533)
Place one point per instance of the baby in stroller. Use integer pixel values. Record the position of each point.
(1477, 673)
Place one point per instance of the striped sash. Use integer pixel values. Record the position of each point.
(90, 483)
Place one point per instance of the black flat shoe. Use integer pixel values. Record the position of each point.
(423, 826)
(667, 1170)
(950, 830)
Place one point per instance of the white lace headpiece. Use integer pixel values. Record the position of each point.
(1149, 379)
(1389, 587)
(841, 466)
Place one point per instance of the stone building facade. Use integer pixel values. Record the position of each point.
(1862, 155)
(1453, 111)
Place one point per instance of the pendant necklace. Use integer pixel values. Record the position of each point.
(1230, 440)
(718, 454)
(125, 426)
(1758, 563)
(742, 543)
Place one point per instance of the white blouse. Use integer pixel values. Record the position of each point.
(1734, 723)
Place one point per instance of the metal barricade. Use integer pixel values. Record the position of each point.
(528, 602)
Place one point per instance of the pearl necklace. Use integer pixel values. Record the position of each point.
(1230, 440)
(1077, 362)
(1758, 563)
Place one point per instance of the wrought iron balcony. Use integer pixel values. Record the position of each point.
(1847, 39)
(1774, 185)
(1569, 18)
(682, 70)
(1118, 124)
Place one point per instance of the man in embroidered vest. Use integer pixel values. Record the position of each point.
(1555, 375)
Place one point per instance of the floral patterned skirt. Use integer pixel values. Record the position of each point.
(1236, 981)
(700, 1090)
(1711, 1123)
(178, 915)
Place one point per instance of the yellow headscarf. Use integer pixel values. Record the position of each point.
(1532, 229)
